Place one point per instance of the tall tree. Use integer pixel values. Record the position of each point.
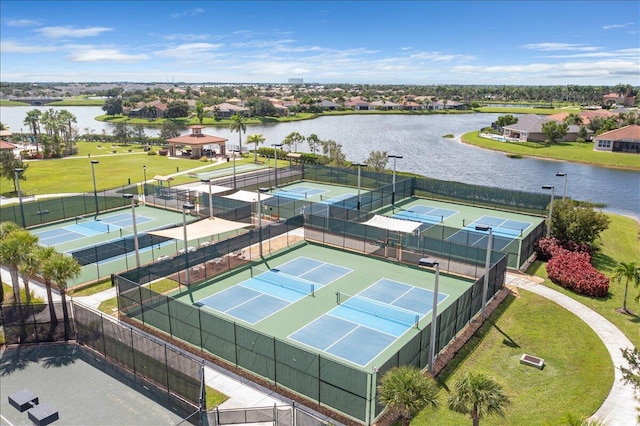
(170, 129)
(377, 160)
(46, 270)
(63, 268)
(255, 139)
(33, 121)
(631, 375)
(478, 395)
(314, 142)
(200, 112)
(630, 273)
(292, 140)
(238, 124)
(8, 165)
(6, 228)
(573, 119)
(14, 250)
(405, 391)
(578, 223)
(554, 130)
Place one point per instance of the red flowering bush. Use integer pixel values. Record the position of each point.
(573, 270)
(569, 266)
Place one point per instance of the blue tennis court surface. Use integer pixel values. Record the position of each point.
(85, 227)
(428, 215)
(299, 192)
(504, 232)
(362, 326)
(269, 291)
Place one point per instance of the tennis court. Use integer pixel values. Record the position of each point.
(504, 232)
(299, 192)
(293, 297)
(104, 244)
(428, 215)
(363, 325)
(271, 290)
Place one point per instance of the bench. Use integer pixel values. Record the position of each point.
(43, 414)
(23, 400)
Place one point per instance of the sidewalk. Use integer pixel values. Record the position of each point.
(619, 408)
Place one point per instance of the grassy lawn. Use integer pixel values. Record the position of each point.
(518, 110)
(94, 288)
(573, 381)
(619, 243)
(567, 151)
(73, 174)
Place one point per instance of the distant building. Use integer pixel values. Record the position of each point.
(295, 81)
(624, 139)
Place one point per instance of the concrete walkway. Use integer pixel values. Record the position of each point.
(619, 408)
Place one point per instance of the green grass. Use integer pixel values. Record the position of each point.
(109, 306)
(573, 381)
(517, 110)
(77, 102)
(567, 151)
(214, 398)
(90, 289)
(8, 294)
(164, 285)
(619, 243)
(73, 174)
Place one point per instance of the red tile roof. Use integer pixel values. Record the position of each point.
(626, 133)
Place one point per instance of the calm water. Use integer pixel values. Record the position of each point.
(419, 140)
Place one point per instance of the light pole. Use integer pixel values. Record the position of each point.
(487, 264)
(359, 166)
(185, 207)
(393, 190)
(260, 190)
(564, 188)
(135, 227)
(210, 197)
(17, 172)
(553, 189)
(95, 189)
(234, 168)
(275, 158)
(144, 185)
(431, 262)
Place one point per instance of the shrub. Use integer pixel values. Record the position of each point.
(151, 152)
(573, 270)
(204, 159)
(163, 152)
(546, 247)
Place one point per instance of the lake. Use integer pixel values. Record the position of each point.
(419, 139)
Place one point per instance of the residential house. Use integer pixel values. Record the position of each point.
(625, 99)
(328, 105)
(227, 110)
(624, 139)
(383, 105)
(149, 110)
(529, 128)
(358, 105)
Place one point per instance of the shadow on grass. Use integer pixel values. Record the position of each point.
(603, 262)
(475, 341)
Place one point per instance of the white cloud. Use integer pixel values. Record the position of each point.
(15, 47)
(70, 32)
(559, 46)
(187, 37)
(189, 50)
(190, 12)
(23, 23)
(614, 26)
(105, 55)
(622, 53)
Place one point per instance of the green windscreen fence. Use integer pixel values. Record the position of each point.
(341, 386)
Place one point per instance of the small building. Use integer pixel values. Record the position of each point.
(196, 141)
(624, 139)
(529, 128)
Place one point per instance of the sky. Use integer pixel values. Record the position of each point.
(363, 42)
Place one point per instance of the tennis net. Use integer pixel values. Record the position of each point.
(420, 217)
(379, 309)
(95, 224)
(279, 278)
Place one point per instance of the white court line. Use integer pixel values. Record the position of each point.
(5, 419)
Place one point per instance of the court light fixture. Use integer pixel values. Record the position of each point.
(564, 188)
(431, 262)
(393, 182)
(17, 172)
(552, 188)
(487, 264)
(135, 227)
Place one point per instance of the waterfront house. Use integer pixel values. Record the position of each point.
(624, 139)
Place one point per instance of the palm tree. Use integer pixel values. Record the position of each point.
(28, 269)
(15, 247)
(573, 119)
(239, 125)
(404, 390)
(200, 112)
(33, 121)
(256, 140)
(477, 395)
(293, 139)
(314, 141)
(630, 273)
(46, 253)
(5, 229)
(62, 268)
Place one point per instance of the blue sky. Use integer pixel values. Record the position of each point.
(375, 42)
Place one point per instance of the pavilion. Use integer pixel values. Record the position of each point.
(196, 140)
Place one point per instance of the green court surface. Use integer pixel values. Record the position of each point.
(68, 237)
(292, 315)
(65, 378)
